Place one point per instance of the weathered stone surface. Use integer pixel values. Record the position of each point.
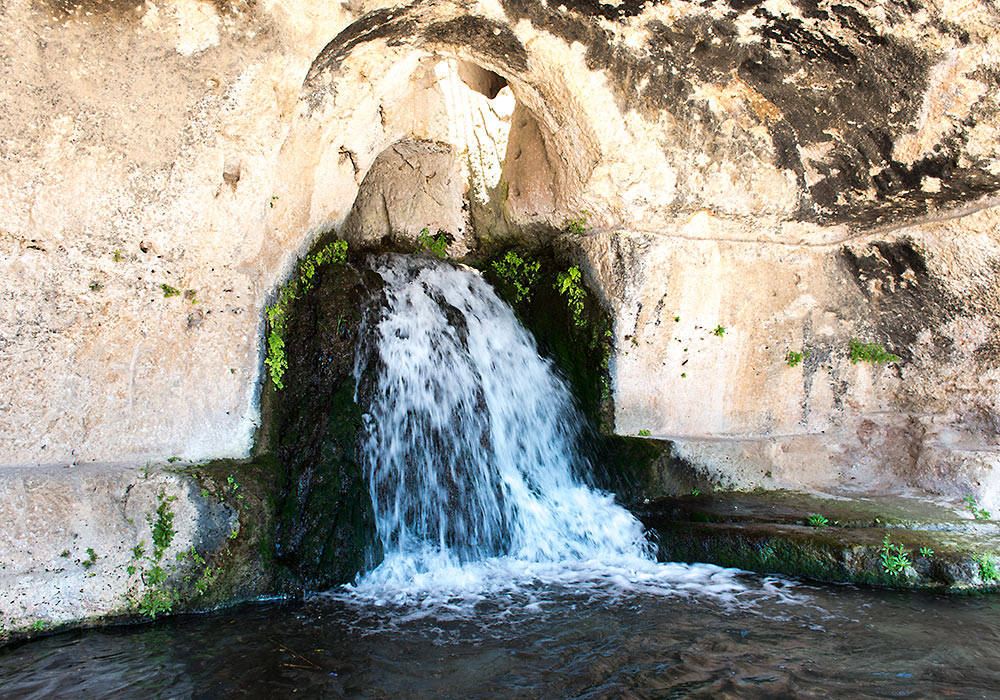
(735, 406)
(882, 541)
(411, 186)
(81, 544)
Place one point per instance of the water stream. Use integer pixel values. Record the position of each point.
(473, 452)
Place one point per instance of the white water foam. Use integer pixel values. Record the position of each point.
(473, 460)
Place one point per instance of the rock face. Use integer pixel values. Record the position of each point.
(796, 173)
(105, 542)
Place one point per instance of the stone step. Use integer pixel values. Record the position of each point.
(889, 541)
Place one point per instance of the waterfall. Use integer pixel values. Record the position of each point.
(472, 454)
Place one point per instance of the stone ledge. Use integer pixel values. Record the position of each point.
(100, 543)
(769, 532)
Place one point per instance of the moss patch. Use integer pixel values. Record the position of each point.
(886, 542)
(325, 527)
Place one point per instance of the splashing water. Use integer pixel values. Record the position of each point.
(473, 460)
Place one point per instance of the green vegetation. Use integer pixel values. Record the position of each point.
(869, 352)
(695, 492)
(91, 558)
(517, 273)
(794, 359)
(644, 433)
(817, 520)
(569, 284)
(64, 554)
(96, 286)
(926, 552)
(894, 558)
(719, 330)
(577, 226)
(116, 255)
(163, 527)
(38, 626)
(169, 291)
(334, 253)
(987, 567)
(157, 601)
(273, 200)
(977, 512)
(432, 245)
(160, 597)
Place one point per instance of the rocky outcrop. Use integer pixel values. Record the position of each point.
(796, 174)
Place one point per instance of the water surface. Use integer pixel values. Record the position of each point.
(765, 639)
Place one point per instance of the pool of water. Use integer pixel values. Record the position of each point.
(726, 635)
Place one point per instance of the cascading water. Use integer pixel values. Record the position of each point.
(472, 453)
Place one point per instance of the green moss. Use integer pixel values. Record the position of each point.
(169, 291)
(279, 313)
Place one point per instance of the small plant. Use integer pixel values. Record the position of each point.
(436, 245)
(977, 512)
(817, 520)
(273, 200)
(719, 331)
(156, 602)
(64, 554)
(206, 579)
(163, 527)
(644, 433)
(517, 273)
(234, 486)
(684, 375)
(695, 492)
(869, 352)
(169, 291)
(794, 359)
(139, 550)
(569, 285)
(96, 286)
(894, 558)
(926, 552)
(677, 319)
(277, 315)
(987, 568)
(91, 558)
(116, 255)
(577, 226)
(37, 626)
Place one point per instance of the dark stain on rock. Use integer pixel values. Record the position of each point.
(392, 24)
(904, 296)
(118, 9)
(325, 531)
(484, 36)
